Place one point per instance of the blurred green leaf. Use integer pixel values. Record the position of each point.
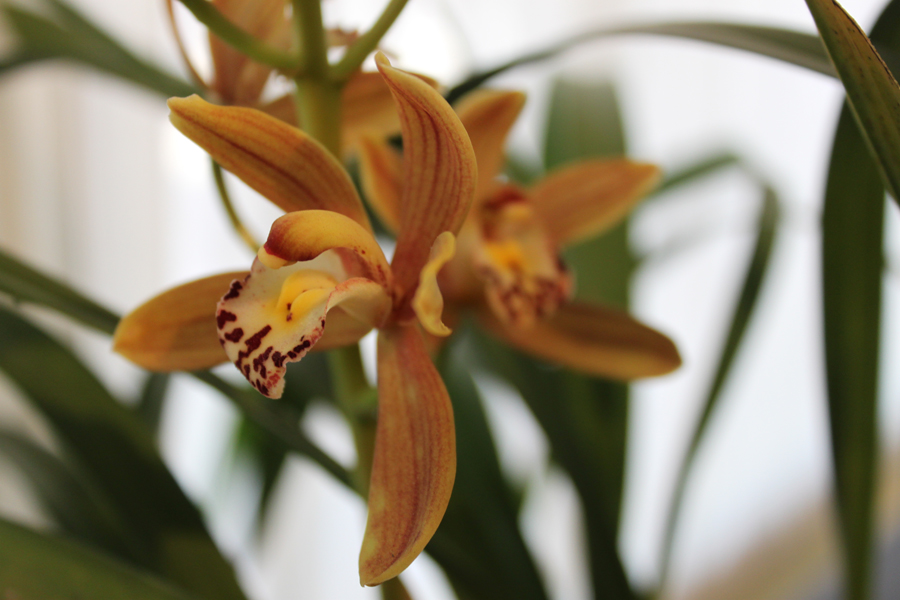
(740, 319)
(852, 264)
(795, 47)
(698, 170)
(479, 544)
(116, 449)
(77, 506)
(153, 396)
(64, 33)
(872, 92)
(40, 567)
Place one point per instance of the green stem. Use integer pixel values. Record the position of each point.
(225, 197)
(240, 40)
(357, 53)
(357, 400)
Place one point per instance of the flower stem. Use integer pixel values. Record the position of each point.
(357, 53)
(225, 197)
(356, 398)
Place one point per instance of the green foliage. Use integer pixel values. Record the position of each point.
(61, 32)
(40, 567)
(114, 447)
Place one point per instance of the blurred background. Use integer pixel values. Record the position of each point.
(97, 188)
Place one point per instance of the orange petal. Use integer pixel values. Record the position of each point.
(274, 316)
(305, 234)
(368, 108)
(488, 115)
(581, 200)
(279, 161)
(439, 172)
(595, 339)
(176, 331)
(428, 303)
(415, 457)
(380, 170)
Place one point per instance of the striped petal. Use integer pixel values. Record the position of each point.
(274, 316)
(582, 200)
(594, 339)
(380, 171)
(304, 235)
(428, 303)
(176, 330)
(439, 172)
(279, 161)
(488, 115)
(415, 457)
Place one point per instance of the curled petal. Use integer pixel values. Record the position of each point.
(439, 172)
(274, 316)
(582, 200)
(596, 340)
(428, 303)
(176, 330)
(379, 167)
(415, 457)
(304, 235)
(279, 161)
(488, 115)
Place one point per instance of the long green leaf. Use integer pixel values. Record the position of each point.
(872, 92)
(740, 319)
(66, 34)
(794, 47)
(479, 544)
(116, 449)
(40, 567)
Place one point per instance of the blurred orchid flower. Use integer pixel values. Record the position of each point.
(508, 266)
(321, 280)
(367, 107)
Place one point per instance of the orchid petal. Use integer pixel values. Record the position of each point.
(582, 200)
(305, 234)
(439, 172)
(415, 456)
(597, 340)
(488, 115)
(279, 161)
(176, 330)
(274, 316)
(379, 168)
(428, 303)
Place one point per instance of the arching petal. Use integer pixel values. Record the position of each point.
(594, 339)
(582, 200)
(428, 303)
(415, 457)
(305, 234)
(274, 316)
(380, 171)
(176, 331)
(488, 115)
(279, 161)
(439, 172)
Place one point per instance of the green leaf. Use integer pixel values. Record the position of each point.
(112, 444)
(696, 171)
(153, 396)
(872, 91)
(794, 47)
(67, 34)
(479, 544)
(40, 567)
(740, 320)
(77, 506)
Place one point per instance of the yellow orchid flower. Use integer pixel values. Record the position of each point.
(508, 265)
(322, 280)
(367, 107)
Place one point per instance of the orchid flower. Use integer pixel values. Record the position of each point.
(322, 280)
(508, 266)
(367, 107)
